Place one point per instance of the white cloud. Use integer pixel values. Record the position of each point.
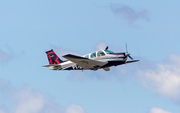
(101, 46)
(28, 100)
(158, 110)
(75, 109)
(165, 79)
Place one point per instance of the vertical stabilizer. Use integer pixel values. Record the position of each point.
(53, 58)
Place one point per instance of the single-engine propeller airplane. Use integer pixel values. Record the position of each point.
(102, 59)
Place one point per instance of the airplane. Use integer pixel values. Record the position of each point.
(102, 59)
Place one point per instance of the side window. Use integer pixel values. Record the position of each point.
(87, 56)
(100, 53)
(93, 55)
(108, 51)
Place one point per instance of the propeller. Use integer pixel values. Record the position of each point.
(130, 57)
(127, 54)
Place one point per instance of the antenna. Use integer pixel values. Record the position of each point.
(106, 48)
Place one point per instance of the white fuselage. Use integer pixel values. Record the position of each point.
(104, 57)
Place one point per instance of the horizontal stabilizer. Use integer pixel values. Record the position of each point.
(50, 65)
(53, 66)
(132, 61)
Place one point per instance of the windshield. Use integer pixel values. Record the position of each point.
(108, 51)
(93, 55)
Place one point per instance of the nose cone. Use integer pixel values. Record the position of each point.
(127, 54)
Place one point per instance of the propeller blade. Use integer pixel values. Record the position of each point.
(131, 57)
(126, 48)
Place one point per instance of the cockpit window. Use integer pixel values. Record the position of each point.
(109, 51)
(87, 56)
(93, 55)
(100, 53)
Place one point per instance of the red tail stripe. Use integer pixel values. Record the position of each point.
(49, 57)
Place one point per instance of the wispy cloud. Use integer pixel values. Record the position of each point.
(128, 13)
(157, 110)
(4, 57)
(28, 100)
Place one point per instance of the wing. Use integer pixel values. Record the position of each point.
(85, 63)
(132, 61)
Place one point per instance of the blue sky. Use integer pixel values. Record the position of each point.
(29, 28)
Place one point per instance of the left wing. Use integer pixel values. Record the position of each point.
(85, 63)
(132, 61)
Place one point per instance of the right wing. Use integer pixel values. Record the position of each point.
(85, 63)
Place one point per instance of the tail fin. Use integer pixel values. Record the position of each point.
(53, 58)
